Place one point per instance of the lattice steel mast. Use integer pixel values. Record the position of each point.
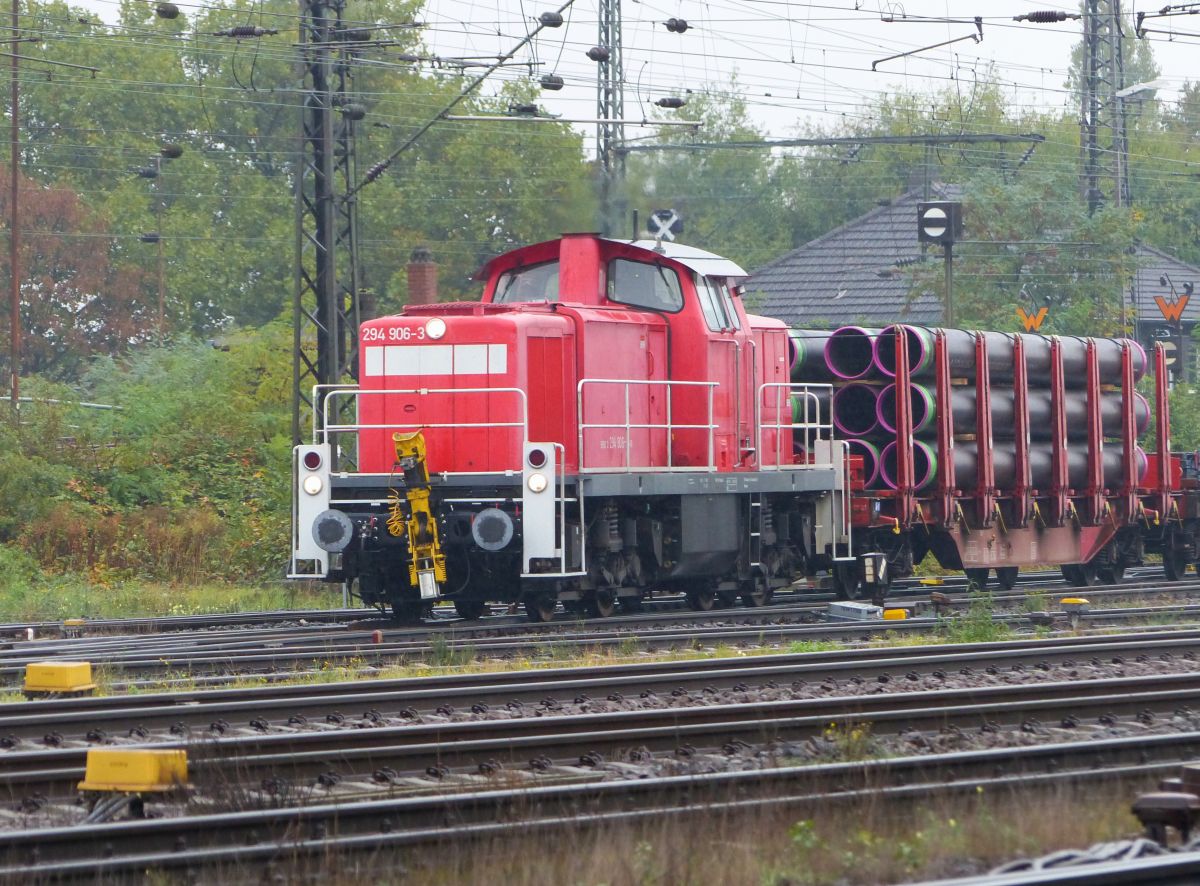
(326, 291)
(1102, 140)
(610, 111)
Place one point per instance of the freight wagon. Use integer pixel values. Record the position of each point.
(608, 423)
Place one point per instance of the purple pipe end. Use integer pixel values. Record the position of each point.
(884, 357)
(924, 462)
(855, 410)
(922, 408)
(850, 352)
(870, 456)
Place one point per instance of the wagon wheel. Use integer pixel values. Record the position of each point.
(407, 611)
(978, 576)
(540, 607)
(1007, 576)
(470, 609)
(726, 599)
(1081, 575)
(1175, 563)
(1113, 573)
(702, 600)
(602, 604)
(756, 593)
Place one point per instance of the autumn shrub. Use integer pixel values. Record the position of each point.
(185, 480)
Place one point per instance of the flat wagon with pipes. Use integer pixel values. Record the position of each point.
(608, 423)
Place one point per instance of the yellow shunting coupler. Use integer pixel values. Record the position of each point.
(135, 770)
(58, 678)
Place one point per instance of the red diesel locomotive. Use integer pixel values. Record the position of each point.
(609, 422)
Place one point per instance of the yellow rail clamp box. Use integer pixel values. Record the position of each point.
(52, 677)
(137, 770)
(1074, 604)
(932, 582)
(895, 614)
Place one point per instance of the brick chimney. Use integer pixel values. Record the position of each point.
(422, 277)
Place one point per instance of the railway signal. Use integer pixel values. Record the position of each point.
(665, 224)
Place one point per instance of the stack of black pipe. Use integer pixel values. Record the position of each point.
(861, 365)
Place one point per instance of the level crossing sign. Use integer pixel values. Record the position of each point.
(665, 224)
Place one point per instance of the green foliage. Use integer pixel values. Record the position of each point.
(977, 625)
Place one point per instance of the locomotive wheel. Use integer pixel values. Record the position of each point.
(602, 604)
(540, 608)
(630, 605)
(978, 577)
(756, 593)
(1175, 563)
(407, 611)
(702, 601)
(469, 609)
(1007, 576)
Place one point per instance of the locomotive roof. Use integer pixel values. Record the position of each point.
(698, 260)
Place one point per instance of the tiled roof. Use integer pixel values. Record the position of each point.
(1153, 265)
(854, 273)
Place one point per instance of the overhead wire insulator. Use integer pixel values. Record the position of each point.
(245, 31)
(354, 111)
(147, 172)
(530, 110)
(355, 35)
(170, 150)
(599, 53)
(1044, 16)
(150, 237)
(671, 101)
(552, 82)
(166, 10)
(551, 19)
(677, 25)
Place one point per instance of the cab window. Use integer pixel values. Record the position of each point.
(711, 304)
(730, 307)
(644, 286)
(530, 283)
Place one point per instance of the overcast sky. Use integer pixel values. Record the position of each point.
(797, 63)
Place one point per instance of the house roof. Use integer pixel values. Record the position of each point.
(1148, 282)
(854, 273)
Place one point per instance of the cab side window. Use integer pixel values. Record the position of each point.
(711, 304)
(730, 307)
(643, 285)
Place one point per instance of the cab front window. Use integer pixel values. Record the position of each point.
(529, 283)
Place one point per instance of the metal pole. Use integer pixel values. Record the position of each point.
(949, 259)
(161, 259)
(14, 238)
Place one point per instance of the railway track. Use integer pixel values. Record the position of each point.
(194, 657)
(258, 835)
(370, 788)
(72, 717)
(578, 745)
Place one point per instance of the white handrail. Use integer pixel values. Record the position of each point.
(812, 430)
(669, 426)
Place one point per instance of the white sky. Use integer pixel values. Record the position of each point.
(798, 63)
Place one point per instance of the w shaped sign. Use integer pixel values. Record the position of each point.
(1032, 322)
(1172, 310)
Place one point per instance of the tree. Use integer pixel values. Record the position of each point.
(75, 301)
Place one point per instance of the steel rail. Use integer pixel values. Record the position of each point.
(116, 714)
(353, 753)
(181, 841)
